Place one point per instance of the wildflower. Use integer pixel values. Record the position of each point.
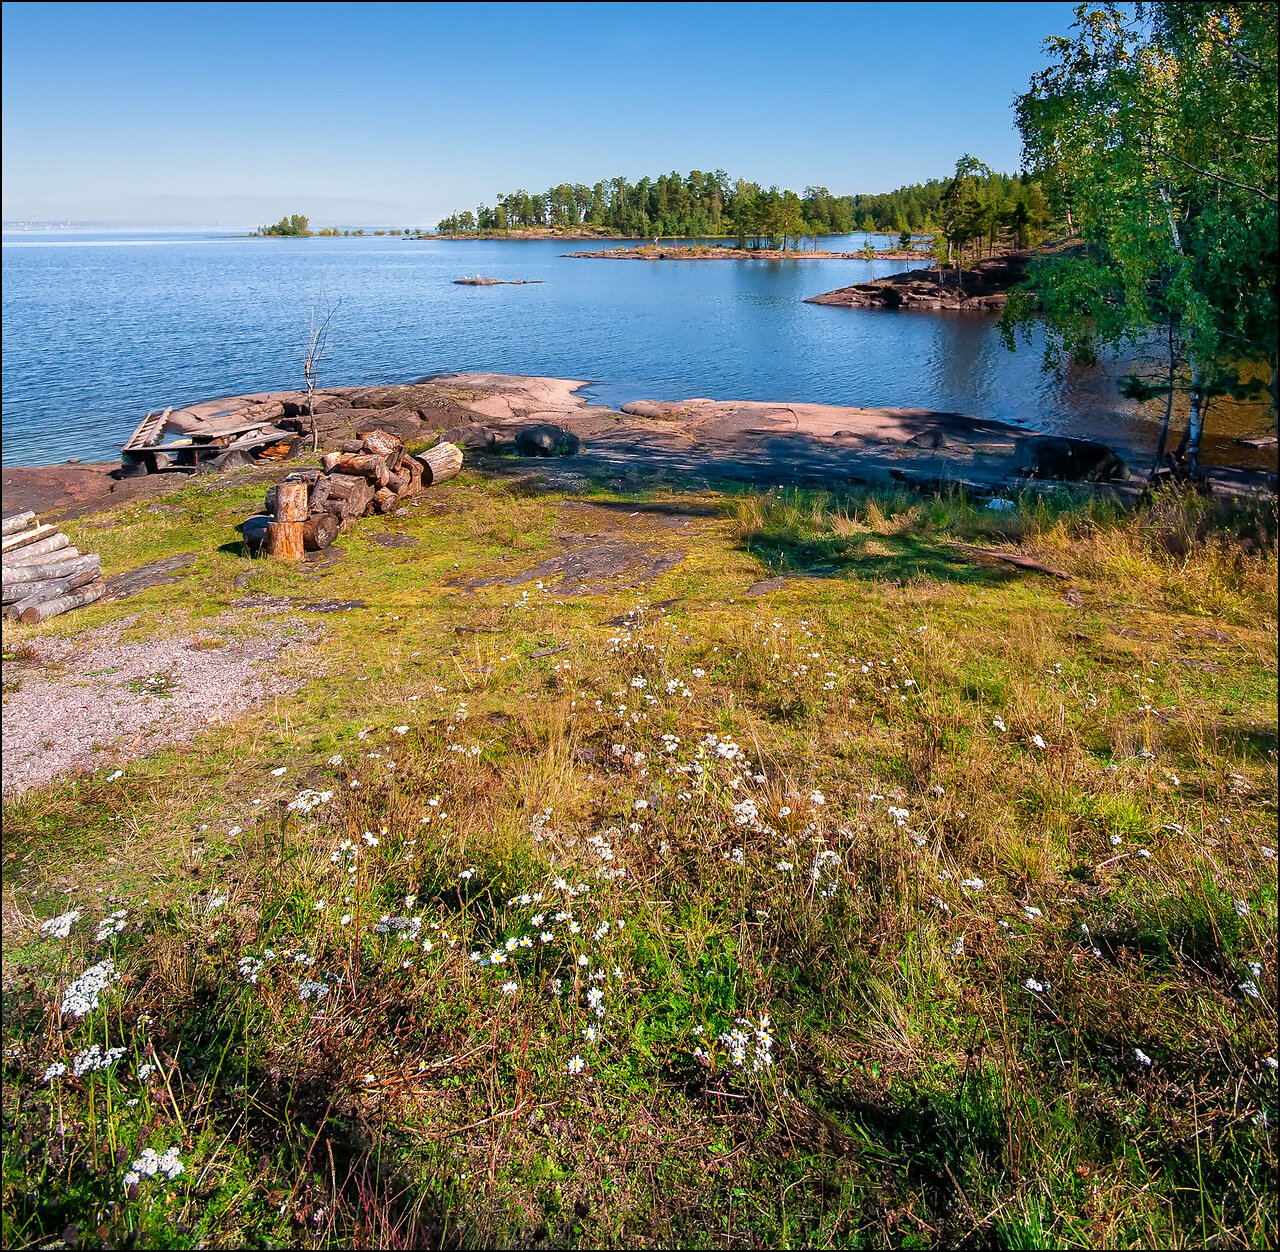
(510, 988)
(1144, 854)
(307, 799)
(583, 959)
(1250, 988)
(785, 811)
(699, 673)
(215, 902)
(370, 838)
(320, 905)
(1032, 912)
(998, 723)
(400, 730)
(1038, 741)
(1141, 1057)
(145, 1070)
(591, 1034)
(60, 927)
(785, 867)
(1269, 1062)
(899, 815)
(1242, 908)
(972, 884)
(234, 831)
(957, 946)
(595, 1001)
(336, 759)
(151, 1163)
(576, 1064)
(1033, 986)
(818, 798)
(56, 1070)
(249, 966)
(278, 773)
(94, 1058)
(1114, 840)
(81, 997)
(309, 989)
(118, 774)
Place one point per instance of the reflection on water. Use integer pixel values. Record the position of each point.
(98, 329)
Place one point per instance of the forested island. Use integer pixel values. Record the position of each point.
(702, 205)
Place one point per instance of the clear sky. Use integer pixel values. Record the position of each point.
(397, 115)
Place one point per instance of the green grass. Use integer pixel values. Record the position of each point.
(884, 716)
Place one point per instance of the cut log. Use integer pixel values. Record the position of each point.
(411, 468)
(385, 500)
(319, 493)
(254, 530)
(319, 531)
(51, 549)
(291, 502)
(18, 521)
(20, 539)
(396, 483)
(382, 443)
(284, 540)
(17, 575)
(343, 485)
(330, 459)
(74, 600)
(38, 593)
(352, 504)
(351, 445)
(366, 465)
(440, 463)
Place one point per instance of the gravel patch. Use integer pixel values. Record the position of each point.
(92, 700)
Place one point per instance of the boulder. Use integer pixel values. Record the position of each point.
(1073, 460)
(929, 439)
(546, 440)
(474, 436)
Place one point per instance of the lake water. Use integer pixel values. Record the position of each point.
(97, 329)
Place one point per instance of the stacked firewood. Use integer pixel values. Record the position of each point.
(371, 474)
(43, 575)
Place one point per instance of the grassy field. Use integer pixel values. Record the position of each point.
(914, 901)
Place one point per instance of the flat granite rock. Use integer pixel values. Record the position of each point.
(155, 574)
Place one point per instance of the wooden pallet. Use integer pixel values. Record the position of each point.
(149, 430)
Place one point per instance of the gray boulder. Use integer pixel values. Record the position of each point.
(474, 436)
(546, 440)
(1073, 460)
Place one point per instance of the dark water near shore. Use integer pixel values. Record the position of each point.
(97, 329)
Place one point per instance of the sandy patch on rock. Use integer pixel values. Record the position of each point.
(92, 700)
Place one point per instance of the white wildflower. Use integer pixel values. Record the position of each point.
(56, 1070)
(279, 773)
(576, 1064)
(81, 997)
(1141, 1057)
(60, 927)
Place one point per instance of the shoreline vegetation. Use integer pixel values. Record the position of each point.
(725, 252)
(584, 806)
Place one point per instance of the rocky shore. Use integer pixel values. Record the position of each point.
(647, 443)
(982, 288)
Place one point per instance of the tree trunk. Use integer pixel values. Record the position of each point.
(38, 593)
(440, 463)
(55, 548)
(291, 502)
(1163, 442)
(51, 608)
(319, 531)
(284, 540)
(17, 575)
(17, 521)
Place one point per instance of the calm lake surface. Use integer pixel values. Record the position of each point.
(97, 329)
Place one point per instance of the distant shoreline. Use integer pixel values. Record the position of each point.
(697, 252)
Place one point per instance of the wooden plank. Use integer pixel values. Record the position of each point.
(26, 537)
(148, 430)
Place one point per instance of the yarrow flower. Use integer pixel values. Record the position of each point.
(150, 1162)
(111, 925)
(60, 927)
(81, 997)
(94, 1058)
(307, 799)
(56, 1070)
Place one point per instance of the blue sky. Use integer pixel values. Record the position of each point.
(396, 115)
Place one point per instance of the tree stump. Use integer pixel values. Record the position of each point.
(291, 502)
(440, 463)
(284, 540)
